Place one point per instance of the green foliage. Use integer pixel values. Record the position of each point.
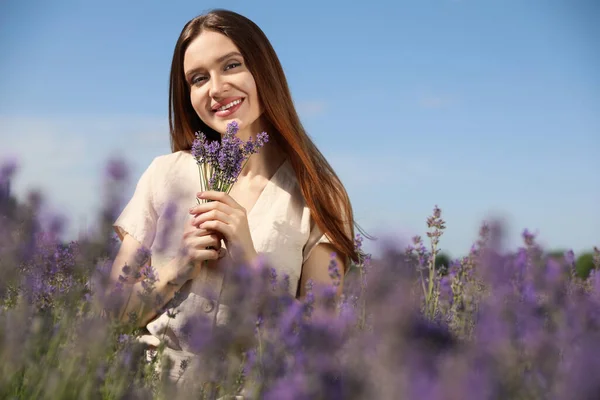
(584, 265)
(442, 263)
(558, 255)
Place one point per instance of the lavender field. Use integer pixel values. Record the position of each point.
(489, 325)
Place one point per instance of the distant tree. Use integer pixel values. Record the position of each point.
(442, 262)
(557, 254)
(584, 264)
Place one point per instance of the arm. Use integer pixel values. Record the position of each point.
(316, 268)
(165, 287)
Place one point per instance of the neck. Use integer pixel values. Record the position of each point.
(269, 157)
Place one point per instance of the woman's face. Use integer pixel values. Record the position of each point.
(222, 89)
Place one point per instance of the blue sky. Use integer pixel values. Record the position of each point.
(485, 108)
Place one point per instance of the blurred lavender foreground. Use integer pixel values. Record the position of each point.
(490, 325)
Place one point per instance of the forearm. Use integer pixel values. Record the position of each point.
(136, 300)
(145, 309)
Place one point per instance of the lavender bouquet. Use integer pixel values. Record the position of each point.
(220, 163)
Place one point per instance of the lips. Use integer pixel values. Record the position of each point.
(215, 107)
(227, 113)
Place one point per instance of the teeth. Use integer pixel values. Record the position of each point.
(233, 103)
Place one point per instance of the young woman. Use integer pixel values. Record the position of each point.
(287, 206)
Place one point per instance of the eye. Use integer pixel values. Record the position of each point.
(197, 79)
(232, 65)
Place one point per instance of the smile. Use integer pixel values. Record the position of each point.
(229, 108)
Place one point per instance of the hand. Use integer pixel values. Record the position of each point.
(197, 247)
(225, 216)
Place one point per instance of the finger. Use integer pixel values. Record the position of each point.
(201, 244)
(193, 230)
(221, 227)
(198, 233)
(205, 241)
(212, 215)
(204, 254)
(209, 206)
(221, 197)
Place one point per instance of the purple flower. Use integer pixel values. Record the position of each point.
(7, 170)
(292, 387)
(309, 301)
(528, 238)
(142, 256)
(196, 331)
(570, 257)
(232, 128)
(334, 271)
(116, 170)
(227, 157)
(165, 235)
(445, 286)
(273, 277)
(285, 283)
(149, 273)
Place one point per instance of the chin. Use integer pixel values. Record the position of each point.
(221, 125)
(241, 125)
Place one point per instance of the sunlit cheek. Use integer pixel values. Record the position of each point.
(196, 98)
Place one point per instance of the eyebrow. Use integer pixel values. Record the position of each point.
(219, 60)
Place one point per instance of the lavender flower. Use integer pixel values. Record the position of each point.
(7, 170)
(226, 158)
(505, 324)
(334, 271)
(117, 170)
(309, 302)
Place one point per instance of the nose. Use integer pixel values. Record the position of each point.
(217, 86)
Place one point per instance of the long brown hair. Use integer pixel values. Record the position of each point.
(322, 189)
